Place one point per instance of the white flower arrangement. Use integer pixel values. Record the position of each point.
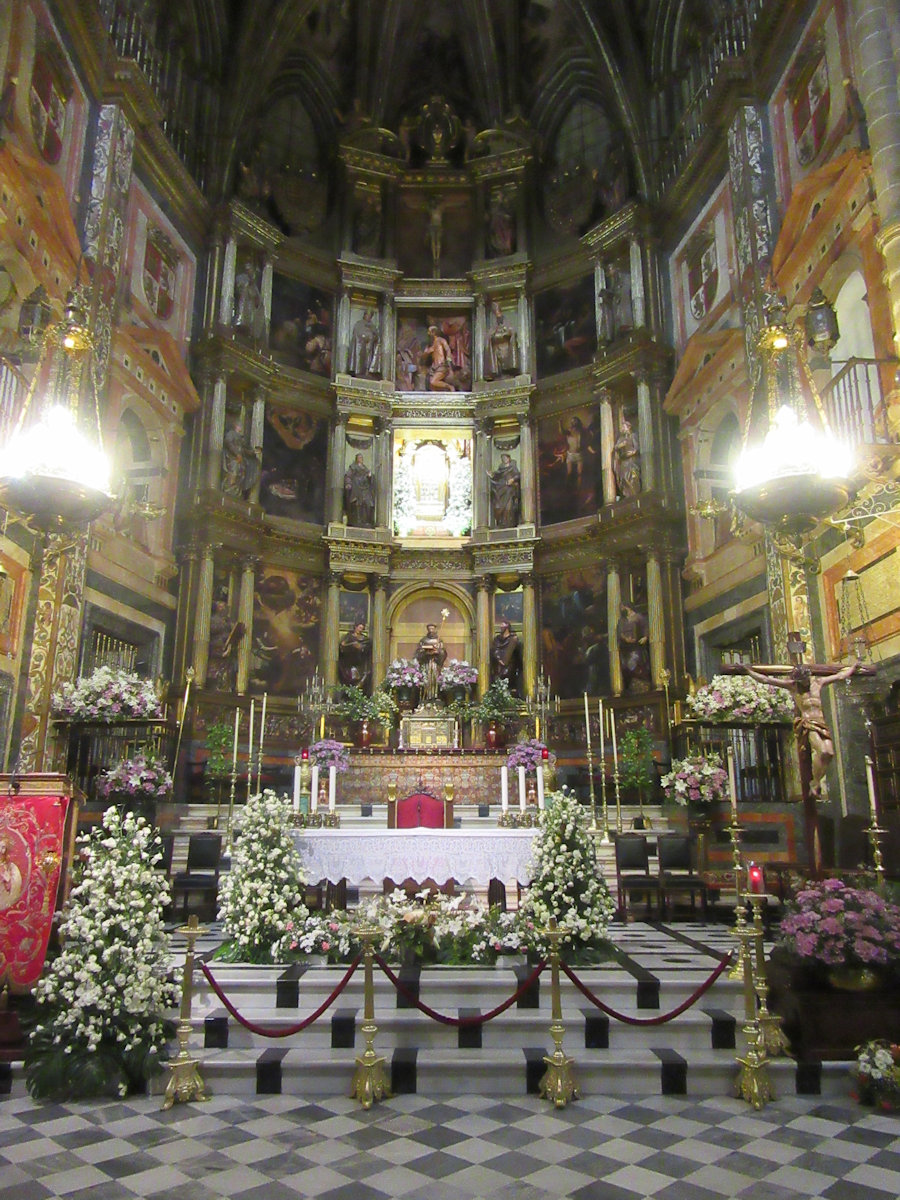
(566, 880)
(739, 699)
(108, 694)
(101, 1028)
(697, 779)
(265, 887)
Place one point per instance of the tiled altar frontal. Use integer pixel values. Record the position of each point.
(475, 775)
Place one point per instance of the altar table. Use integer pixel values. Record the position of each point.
(358, 855)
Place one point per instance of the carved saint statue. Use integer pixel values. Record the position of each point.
(359, 494)
(501, 353)
(240, 462)
(506, 657)
(506, 494)
(431, 656)
(627, 463)
(365, 347)
(355, 658)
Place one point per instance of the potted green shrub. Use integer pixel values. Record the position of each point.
(636, 766)
(364, 711)
(494, 710)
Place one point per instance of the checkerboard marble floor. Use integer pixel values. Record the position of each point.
(276, 1147)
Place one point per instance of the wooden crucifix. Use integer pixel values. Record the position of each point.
(815, 746)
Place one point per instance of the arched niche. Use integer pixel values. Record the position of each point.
(415, 606)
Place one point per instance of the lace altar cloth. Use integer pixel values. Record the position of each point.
(439, 854)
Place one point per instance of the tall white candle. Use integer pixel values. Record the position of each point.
(262, 736)
(237, 725)
(250, 748)
(314, 788)
(522, 788)
(504, 788)
(297, 761)
(600, 717)
(540, 787)
(732, 783)
(332, 780)
(612, 730)
(870, 781)
(587, 722)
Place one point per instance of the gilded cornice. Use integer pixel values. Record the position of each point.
(434, 291)
(242, 223)
(298, 260)
(564, 268)
(495, 166)
(634, 354)
(367, 275)
(496, 560)
(460, 412)
(417, 563)
(221, 355)
(512, 399)
(369, 162)
(633, 220)
(237, 529)
(558, 395)
(367, 557)
(491, 276)
(293, 390)
(367, 397)
(435, 177)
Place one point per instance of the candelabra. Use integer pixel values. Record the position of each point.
(315, 702)
(541, 705)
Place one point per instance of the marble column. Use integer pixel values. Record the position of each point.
(638, 301)
(656, 617)
(245, 616)
(388, 339)
(265, 287)
(479, 340)
(335, 507)
(342, 334)
(379, 631)
(257, 430)
(481, 464)
(229, 272)
(607, 441)
(613, 612)
(214, 283)
(646, 440)
(483, 632)
(381, 460)
(216, 434)
(876, 51)
(202, 614)
(529, 635)
(332, 630)
(528, 471)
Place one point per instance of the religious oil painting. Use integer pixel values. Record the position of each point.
(354, 608)
(434, 233)
(434, 351)
(302, 326)
(570, 465)
(287, 613)
(432, 484)
(565, 327)
(295, 448)
(508, 607)
(574, 632)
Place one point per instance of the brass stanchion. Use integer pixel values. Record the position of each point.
(774, 1042)
(737, 971)
(186, 1083)
(370, 1080)
(753, 1083)
(558, 1082)
(590, 766)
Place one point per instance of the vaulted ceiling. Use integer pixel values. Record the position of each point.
(315, 64)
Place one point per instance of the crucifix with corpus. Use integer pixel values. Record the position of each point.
(815, 746)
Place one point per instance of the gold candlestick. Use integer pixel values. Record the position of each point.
(370, 1079)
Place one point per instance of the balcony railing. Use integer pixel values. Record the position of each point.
(854, 403)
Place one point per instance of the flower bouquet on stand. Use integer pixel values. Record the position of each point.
(877, 1075)
(136, 784)
(404, 678)
(456, 679)
(738, 699)
(696, 782)
(108, 694)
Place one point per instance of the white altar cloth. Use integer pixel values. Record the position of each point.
(439, 854)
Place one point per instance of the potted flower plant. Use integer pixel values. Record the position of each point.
(877, 1074)
(354, 705)
(456, 678)
(329, 753)
(404, 678)
(530, 754)
(697, 781)
(495, 708)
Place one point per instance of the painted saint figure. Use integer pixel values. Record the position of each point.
(634, 653)
(506, 657)
(431, 656)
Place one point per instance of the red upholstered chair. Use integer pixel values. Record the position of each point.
(420, 811)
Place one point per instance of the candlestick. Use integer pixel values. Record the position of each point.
(522, 800)
(504, 788)
(297, 762)
(332, 780)
(322, 727)
(250, 749)
(732, 783)
(237, 724)
(587, 722)
(615, 746)
(262, 734)
(540, 787)
(604, 833)
(314, 789)
(756, 883)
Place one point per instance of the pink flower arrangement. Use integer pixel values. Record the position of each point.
(836, 925)
(143, 775)
(529, 754)
(329, 753)
(698, 779)
(107, 694)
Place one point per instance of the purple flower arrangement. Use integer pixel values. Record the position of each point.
(457, 673)
(698, 779)
(107, 695)
(142, 775)
(404, 672)
(838, 926)
(329, 753)
(741, 700)
(529, 754)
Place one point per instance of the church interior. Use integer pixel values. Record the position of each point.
(434, 415)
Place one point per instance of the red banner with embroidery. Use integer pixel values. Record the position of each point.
(31, 855)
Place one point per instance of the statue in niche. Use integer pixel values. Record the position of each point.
(501, 221)
(355, 658)
(633, 635)
(365, 347)
(225, 637)
(506, 494)
(359, 494)
(431, 656)
(367, 224)
(501, 354)
(438, 358)
(506, 657)
(627, 462)
(249, 310)
(606, 306)
(240, 461)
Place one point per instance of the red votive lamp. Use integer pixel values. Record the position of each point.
(756, 880)
(304, 754)
(545, 754)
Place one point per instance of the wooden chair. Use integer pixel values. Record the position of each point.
(676, 871)
(204, 861)
(633, 871)
(419, 811)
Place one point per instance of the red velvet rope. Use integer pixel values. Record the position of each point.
(481, 1019)
(288, 1030)
(661, 1020)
